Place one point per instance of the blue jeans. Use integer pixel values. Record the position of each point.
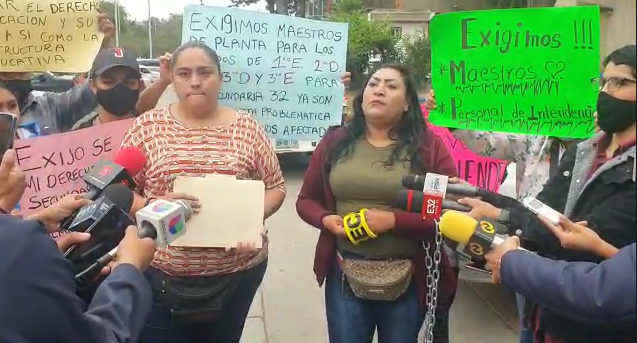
(526, 334)
(354, 320)
(160, 328)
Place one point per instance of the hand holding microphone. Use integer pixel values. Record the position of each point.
(161, 221)
(53, 215)
(481, 209)
(134, 250)
(475, 237)
(494, 256)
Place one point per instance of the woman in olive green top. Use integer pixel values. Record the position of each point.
(360, 166)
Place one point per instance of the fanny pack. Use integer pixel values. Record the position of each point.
(383, 280)
(195, 299)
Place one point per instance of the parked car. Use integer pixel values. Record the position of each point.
(149, 76)
(150, 63)
(49, 82)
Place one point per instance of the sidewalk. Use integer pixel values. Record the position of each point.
(255, 330)
(473, 319)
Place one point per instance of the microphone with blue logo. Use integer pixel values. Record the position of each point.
(163, 221)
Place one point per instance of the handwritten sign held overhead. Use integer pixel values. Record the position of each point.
(55, 165)
(285, 71)
(48, 35)
(524, 71)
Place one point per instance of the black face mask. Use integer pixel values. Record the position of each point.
(615, 115)
(21, 89)
(119, 100)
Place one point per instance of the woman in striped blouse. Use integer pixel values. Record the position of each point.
(202, 294)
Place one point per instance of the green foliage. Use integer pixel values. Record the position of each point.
(134, 35)
(417, 55)
(365, 36)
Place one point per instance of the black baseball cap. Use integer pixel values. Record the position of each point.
(114, 57)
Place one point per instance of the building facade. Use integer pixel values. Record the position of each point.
(617, 24)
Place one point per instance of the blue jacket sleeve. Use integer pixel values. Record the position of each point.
(71, 106)
(121, 304)
(37, 293)
(601, 294)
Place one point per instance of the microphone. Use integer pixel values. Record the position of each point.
(475, 238)
(412, 201)
(163, 221)
(417, 182)
(106, 219)
(127, 163)
(117, 194)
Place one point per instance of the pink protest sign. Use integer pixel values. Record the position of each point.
(54, 165)
(480, 171)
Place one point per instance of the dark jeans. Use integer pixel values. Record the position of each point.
(354, 320)
(160, 328)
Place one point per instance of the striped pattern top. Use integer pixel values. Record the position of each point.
(240, 148)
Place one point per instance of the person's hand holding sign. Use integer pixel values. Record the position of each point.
(164, 68)
(430, 103)
(193, 201)
(346, 78)
(105, 26)
(12, 183)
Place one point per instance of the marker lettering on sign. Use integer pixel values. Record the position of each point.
(47, 35)
(55, 165)
(284, 71)
(506, 70)
(480, 171)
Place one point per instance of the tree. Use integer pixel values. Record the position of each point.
(416, 53)
(364, 36)
(522, 3)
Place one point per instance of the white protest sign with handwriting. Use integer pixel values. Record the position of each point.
(285, 71)
(54, 165)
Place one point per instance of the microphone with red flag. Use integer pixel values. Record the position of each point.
(128, 163)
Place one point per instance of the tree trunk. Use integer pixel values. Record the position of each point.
(281, 7)
(270, 6)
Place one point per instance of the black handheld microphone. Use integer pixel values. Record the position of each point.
(106, 219)
(162, 221)
(417, 182)
(128, 163)
(412, 201)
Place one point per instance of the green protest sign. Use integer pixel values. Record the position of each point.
(529, 71)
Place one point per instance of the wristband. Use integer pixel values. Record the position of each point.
(148, 201)
(356, 228)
